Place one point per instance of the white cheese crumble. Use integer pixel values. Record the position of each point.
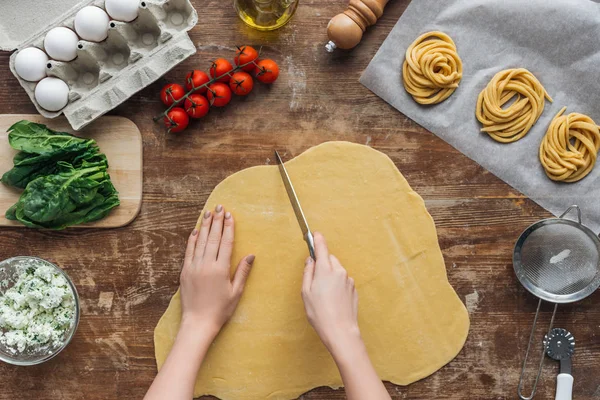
(37, 311)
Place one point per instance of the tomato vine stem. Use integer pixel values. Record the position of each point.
(195, 89)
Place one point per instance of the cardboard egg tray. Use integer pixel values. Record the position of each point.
(104, 74)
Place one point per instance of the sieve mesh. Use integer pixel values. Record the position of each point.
(559, 258)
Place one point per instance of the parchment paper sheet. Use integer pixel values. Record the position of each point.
(557, 40)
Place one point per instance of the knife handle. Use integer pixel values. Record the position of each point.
(310, 241)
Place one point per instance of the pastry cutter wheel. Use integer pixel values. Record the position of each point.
(560, 346)
(557, 260)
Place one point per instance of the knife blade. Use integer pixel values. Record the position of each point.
(289, 188)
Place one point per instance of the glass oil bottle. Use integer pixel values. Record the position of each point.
(265, 15)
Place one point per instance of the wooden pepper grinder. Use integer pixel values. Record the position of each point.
(345, 30)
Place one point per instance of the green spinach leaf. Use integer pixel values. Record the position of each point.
(38, 139)
(41, 149)
(65, 178)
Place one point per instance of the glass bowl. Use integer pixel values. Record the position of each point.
(9, 276)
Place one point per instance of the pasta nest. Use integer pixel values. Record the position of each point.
(569, 149)
(510, 124)
(432, 68)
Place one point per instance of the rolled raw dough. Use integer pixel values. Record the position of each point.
(411, 319)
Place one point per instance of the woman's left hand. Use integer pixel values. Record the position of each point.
(209, 295)
(208, 299)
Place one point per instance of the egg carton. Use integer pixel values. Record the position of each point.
(105, 74)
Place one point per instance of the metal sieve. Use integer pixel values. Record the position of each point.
(557, 260)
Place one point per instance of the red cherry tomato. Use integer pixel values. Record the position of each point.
(176, 120)
(245, 55)
(219, 67)
(241, 83)
(195, 79)
(170, 93)
(219, 94)
(266, 71)
(196, 106)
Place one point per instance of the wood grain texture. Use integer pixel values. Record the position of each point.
(126, 276)
(117, 137)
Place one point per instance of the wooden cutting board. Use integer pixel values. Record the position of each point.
(118, 138)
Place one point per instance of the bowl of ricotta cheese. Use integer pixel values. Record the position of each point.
(39, 310)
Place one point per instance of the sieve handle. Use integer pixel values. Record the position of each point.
(576, 207)
(539, 372)
(564, 387)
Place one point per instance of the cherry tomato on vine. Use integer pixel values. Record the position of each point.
(170, 93)
(196, 106)
(266, 71)
(244, 55)
(219, 94)
(176, 120)
(219, 67)
(241, 83)
(195, 79)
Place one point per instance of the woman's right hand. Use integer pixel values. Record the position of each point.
(331, 304)
(330, 298)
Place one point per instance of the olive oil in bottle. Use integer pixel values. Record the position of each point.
(265, 15)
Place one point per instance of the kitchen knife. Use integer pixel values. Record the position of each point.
(308, 237)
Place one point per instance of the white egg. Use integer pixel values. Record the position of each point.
(30, 64)
(52, 94)
(122, 10)
(91, 23)
(61, 44)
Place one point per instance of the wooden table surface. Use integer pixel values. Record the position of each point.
(126, 276)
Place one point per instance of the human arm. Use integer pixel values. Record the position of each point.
(209, 297)
(331, 303)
